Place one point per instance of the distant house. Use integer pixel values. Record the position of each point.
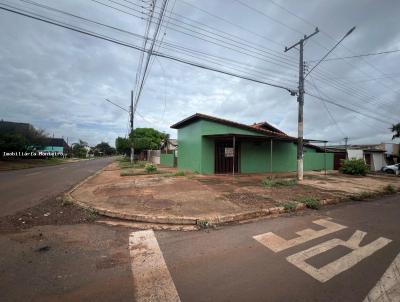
(373, 155)
(51, 145)
(209, 145)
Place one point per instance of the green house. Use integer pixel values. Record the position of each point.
(209, 145)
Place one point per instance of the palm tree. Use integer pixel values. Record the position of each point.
(396, 131)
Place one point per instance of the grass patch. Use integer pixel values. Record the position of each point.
(150, 168)
(289, 206)
(203, 224)
(125, 163)
(17, 164)
(66, 201)
(389, 189)
(92, 214)
(279, 182)
(176, 174)
(128, 172)
(361, 196)
(310, 202)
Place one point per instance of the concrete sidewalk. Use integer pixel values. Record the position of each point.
(197, 199)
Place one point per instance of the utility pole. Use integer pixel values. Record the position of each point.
(131, 123)
(300, 100)
(346, 139)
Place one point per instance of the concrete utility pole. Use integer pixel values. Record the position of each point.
(346, 139)
(300, 100)
(131, 112)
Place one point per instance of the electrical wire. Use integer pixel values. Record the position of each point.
(125, 44)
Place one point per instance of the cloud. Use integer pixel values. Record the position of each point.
(57, 79)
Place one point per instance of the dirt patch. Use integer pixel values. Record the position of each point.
(112, 261)
(50, 212)
(251, 199)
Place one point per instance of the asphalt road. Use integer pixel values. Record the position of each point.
(91, 262)
(21, 189)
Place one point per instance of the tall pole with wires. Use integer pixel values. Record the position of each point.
(131, 113)
(300, 100)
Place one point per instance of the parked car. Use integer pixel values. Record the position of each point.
(391, 168)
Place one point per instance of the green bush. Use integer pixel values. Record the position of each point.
(361, 196)
(289, 206)
(354, 167)
(150, 168)
(389, 189)
(310, 202)
(278, 182)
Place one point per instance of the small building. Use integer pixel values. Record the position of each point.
(53, 145)
(209, 145)
(373, 155)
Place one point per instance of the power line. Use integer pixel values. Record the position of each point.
(125, 44)
(145, 38)
(117, 105)
(346, 48)
(332, 49)
(326, 107)
(229, 44)
(361, 55)
(348, 108)
(223, 34)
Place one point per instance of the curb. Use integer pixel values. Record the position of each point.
(202, 222)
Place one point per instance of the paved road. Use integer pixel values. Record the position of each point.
(20, 189)
(91, 262)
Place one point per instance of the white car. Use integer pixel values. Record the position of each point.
(391, 169)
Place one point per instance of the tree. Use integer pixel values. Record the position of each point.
(19, 136)
(104, 149)
(13, 142)
(80, 149)
(123, 145)
(396, 131)
(146, 139)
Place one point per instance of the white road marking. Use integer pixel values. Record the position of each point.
(342, 264)
(277, 244)
(388, 287)
(151, 278)
(34, 173)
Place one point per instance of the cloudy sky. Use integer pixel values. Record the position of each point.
(57, 79)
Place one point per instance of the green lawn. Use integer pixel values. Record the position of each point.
(28, 163)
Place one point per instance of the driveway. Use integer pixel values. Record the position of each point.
(21, 189)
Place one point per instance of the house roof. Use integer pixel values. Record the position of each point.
(256, 127)
(267, 126)
(173, 141)
(55, 142)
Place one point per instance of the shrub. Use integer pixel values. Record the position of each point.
(354, 167)
(310, 202)
(361, 196)
(150, 168)
(289, 206)
(389, 189)
(278, 182)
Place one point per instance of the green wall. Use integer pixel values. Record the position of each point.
(254, 157)
(167, 159)
(190, 147)
(196, 152)
(316, 161)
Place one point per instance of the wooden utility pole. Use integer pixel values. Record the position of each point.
(300, 100)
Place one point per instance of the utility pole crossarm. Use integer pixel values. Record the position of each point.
(302, 40)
